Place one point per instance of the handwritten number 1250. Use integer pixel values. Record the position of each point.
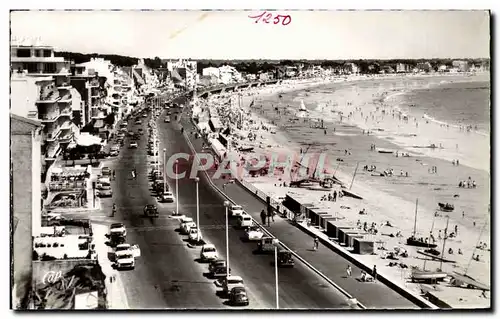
(266, 16)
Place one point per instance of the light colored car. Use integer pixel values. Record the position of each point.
(122, 249)
(230, 282)
(236, 210)
(188, 227)
(104, 191)
(245, 221)
(208, 253)
(194, 233)
(167, 197)
(118, 228)
(254, 233)
(125, 261)
(134, 145)
(167, 119)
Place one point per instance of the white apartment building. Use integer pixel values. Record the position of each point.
(225, 74)
(187, 69)
(50, 100)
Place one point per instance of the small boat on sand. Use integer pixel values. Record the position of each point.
(427, 276)
(385, 151)
(446, 207)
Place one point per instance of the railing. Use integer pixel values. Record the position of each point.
(52, 116)
(65, 98)
(66, 138)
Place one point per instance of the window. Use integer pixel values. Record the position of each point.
(38, 53)
(23, 53)
(47, 53)
(49, 68)
(32, 67)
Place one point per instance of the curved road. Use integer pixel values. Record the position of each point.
(167, 274)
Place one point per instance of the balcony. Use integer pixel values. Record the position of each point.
(66, 98)
(49, 117)
(48, 96)
(94, 92)
(33, 115)
(53, 149)
(51, 137)
(67, 137)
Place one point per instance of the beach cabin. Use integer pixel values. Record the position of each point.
(316, 218)
(349, 236)
(339, 228)
(363, 247)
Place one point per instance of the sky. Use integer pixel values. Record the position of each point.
(233, 35)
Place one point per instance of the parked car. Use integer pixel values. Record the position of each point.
(238, 297)
(122, 249)
(167, 197)
(254, 233)
(208, 252)
(236, 210)
(230, 282)
(183, 221)
(125, 261)
(106, 171)
(151, 211)
(285, 259)
(138, 122)
(194, 233)
(118, 228)
(219, 272)
(167, 119)
(104, 191)
(266, 245)
(245, 221)
(133, 144)
(216, 263)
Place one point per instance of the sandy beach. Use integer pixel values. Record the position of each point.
(344, 118)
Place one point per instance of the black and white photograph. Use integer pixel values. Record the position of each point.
(248, 160)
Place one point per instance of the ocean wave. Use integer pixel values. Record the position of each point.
(434, 120)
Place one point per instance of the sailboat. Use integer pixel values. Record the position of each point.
(427, 275)
(413, 240)
(302, 107)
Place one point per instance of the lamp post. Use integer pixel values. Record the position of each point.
(176, 188)
(164, 170)
(197, 180)
(226, 204)
(276, 243)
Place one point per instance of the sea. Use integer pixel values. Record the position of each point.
(455, 103)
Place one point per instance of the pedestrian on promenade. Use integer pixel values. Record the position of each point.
(374, 273)
(263, 217)
(349, 271)
(335, 196)
(316, 243)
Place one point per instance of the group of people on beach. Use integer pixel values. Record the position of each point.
(467, 184)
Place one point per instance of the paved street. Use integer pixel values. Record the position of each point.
(167, 274)
(372, 295)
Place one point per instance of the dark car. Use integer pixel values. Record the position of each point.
(216, 263)
(150, 211)
(285, 259)
(220, 271)
(238, 297)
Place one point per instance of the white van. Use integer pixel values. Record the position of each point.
(245, 221)
(230, 282)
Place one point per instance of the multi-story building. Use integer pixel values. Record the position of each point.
(403, 68)
(461, 66)
(91, 88)
(26, 202)
(350, 68)
(187, 70)
(54, 100)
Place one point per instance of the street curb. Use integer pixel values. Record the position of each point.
(344, 292)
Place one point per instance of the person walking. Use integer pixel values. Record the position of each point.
(349, 271)
(263, 217)
(316, 243)
(374, 273)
